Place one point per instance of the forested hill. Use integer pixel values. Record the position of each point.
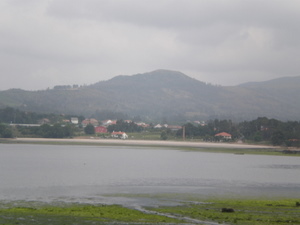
(165, 94)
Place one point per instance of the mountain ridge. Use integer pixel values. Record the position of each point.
(282, 82)
(165, 94)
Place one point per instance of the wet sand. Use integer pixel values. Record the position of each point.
(129, 142)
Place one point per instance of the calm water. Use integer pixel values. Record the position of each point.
(78, 173)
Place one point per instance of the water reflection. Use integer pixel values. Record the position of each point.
(283, 166)
(87, 173)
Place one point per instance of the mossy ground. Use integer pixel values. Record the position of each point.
(78, 214)
(242, 151)
(248, 211)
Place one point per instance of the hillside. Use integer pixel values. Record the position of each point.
(166, 94)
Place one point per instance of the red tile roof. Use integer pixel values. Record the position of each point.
(117, 133)
(223, 134)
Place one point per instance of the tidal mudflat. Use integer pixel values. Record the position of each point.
(144, 179)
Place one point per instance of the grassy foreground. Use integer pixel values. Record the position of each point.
(214, 211)
(78, 214)
(233, 211)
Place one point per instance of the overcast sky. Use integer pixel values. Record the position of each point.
(44, 43)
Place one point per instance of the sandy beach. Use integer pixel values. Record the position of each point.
(147, 143)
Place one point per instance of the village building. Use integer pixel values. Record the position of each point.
(100, 129)
(174, 127)
(92, 121)
(106, 123)
(224, 135)
(44, 121)
(158, 126)
(74, 120)
(201, 123)
(142, 124)
(119, 134)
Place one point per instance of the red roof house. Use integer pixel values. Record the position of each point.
(100, 129)
(223, 135)
(85, 122)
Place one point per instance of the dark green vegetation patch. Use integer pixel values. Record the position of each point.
(258, 212)
(78, 214)
(225, 211)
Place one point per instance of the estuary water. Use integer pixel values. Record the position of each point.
(92, 173)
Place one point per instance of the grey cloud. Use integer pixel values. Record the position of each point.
(212, 21)
(70, 41)
(177, 14)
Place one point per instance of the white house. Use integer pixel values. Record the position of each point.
(74, 120)
(119, 134)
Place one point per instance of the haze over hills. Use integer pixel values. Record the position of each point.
(166, 94)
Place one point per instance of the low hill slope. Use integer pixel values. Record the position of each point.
(165, 93)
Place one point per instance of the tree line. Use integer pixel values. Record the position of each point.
(48, 131)
(16, 116)
(124, 126)
(45, 131)
(261, 129)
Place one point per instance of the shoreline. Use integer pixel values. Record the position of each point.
(213, 147)
(144, 143)
(211, 211)
(160, 207)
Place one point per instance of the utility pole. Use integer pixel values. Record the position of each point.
(183, 133)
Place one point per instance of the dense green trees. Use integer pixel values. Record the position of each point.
(163, 135)
(278, 138)
(208, 131)
(11, 115)
(271, 130)
(262, 129)
(55, 131)
(124, 126)
(89, 129)
(48, 131)
(5, 131)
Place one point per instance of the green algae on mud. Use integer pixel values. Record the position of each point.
(241, 151)
(242, 211)
(77, 214)
(247, 211)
